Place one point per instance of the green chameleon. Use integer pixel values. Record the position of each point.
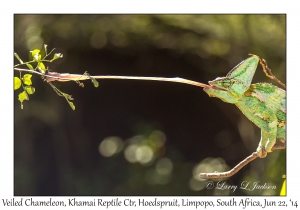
(262, 103)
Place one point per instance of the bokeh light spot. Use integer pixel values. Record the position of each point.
(110, 146)
(32, 31)
(157, 138)
(129, 153)
(144, 154)
(35, 42)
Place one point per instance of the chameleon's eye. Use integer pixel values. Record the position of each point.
(227, 83)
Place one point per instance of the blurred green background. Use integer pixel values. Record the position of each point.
(142, 137)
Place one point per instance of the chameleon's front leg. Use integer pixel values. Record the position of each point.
(268, 139)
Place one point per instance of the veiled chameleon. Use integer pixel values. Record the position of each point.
(262, 103)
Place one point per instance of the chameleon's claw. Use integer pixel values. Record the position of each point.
(262, 153)
(282, 141)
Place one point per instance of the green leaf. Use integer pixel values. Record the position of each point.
(29, 89)
(30, 66)
(23, 96)
(17, 83)
(94, 81)
(17, 56)
(36, 55)
(56, 56)
(71, 105)
(42, 67)
(69, 97)
(27, 79)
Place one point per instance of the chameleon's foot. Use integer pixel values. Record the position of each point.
(281, 145)
(262, 153)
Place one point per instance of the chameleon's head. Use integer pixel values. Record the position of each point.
(221, 88)
(232, 87)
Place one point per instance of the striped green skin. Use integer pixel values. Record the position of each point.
(262, 103)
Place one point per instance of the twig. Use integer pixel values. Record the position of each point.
(268, 71)
(253, 156)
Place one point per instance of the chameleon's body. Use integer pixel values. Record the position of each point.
(262, 103)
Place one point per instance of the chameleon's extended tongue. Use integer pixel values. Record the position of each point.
(215, 87)
(54, 76)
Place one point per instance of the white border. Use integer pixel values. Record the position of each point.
(8, 8)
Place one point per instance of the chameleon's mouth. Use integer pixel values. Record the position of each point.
(212, 86)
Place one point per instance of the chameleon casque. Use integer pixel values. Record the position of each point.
(262, 103)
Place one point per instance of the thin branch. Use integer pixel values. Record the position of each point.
(253, 156)
(28, 70)
(268, 71)
(24, 63)
(48, 53)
